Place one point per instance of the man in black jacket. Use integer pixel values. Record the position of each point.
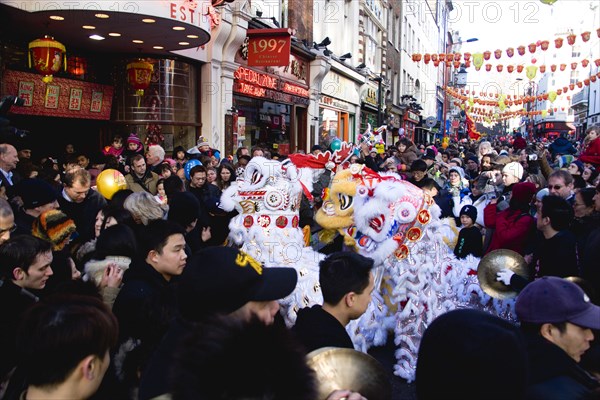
(347, 283)
(557, 319)
(80, 203)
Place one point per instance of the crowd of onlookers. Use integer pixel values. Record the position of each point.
(97, 297)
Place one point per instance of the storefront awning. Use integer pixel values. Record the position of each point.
(157, 27)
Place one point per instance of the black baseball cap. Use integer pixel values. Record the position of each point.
(220, 280)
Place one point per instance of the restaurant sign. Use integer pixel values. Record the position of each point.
(257, 84)
(269, 47)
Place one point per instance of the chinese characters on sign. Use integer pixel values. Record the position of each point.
(96, 105)
(26, 92)
(64, 98)
(75, 99)
(52, 93)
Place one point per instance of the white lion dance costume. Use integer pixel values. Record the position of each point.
(380, 216)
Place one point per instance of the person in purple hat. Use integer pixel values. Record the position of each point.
(557, 319)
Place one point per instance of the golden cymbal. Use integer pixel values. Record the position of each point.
(493, 262)
(340, 368)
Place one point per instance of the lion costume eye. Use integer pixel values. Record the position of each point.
(345, 201)
(256, 177)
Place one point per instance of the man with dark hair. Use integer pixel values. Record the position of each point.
(144, 306)
(218, 281)
(140, 178)
(557, 319)
(347, 283)
(430, 187)
(79, 202)
(418, 170)
(24, 266)
(37, 196)
(209, 196)
(63, 345)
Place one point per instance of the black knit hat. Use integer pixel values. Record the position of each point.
(469, 211)
(35, 193)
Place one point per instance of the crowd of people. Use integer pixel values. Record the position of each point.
(125, 298)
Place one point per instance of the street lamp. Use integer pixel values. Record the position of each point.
(447, 70)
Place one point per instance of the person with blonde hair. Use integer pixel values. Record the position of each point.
(143, 207)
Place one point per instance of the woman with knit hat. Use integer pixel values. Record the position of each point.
(55, 227)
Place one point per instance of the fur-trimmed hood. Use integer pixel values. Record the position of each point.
(94, 269)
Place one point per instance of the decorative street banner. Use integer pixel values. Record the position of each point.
(65, 98)
(269, 47)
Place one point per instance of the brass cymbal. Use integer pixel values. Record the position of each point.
(493, 262)
(340, 368)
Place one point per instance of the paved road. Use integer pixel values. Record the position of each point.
(401, 390)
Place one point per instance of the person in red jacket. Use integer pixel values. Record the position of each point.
(514, 227)
(519, 143)
(591, 152)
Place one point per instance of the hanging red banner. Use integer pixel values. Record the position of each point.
(269, 47)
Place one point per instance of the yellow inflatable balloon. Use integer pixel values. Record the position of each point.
(109, 182)
(531, 71)
(552, 96)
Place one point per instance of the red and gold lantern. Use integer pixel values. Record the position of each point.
(520, 68)
(585, 36)
(571, 39)
(427, 58)
(521, 50)
(558, 42)
(488, 67)
(532, 47)
(497, 54)
(48, 56)
(510, 51)
(510, 68)
(542, 69)
(559, 91)
(585, 63)
(486, 55)
(563, 67)
(597, 62)
(139, 74)
(499, 67)
(544, 45)
(553, 68)
(467, 56)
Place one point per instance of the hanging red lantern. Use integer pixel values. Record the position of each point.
(497, 54)
(499, 67)
(558, 42)
(574, 66)
(488, 67)
(598, 32)
(521, 50)
(585, 36)
(544, 45)
(76, 66)
(593, 78)
(572, 86)
(449, 57)
(510, 51)
(586, 81)
(563, 67)
(510, 68)
(559, 91)
(456, 64)
(580, 85)
(427, 58)
(533, 60)
(467, 64)
(585, 63)
(520, 68)
(553, 68)
(571, 39)
(466, 56)
(457, 56)
(542, 69)
(139, 74)
(48, 56)
(597, 62)
(532, 47)
(434, 57)
(486, 55)
(436, 63)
